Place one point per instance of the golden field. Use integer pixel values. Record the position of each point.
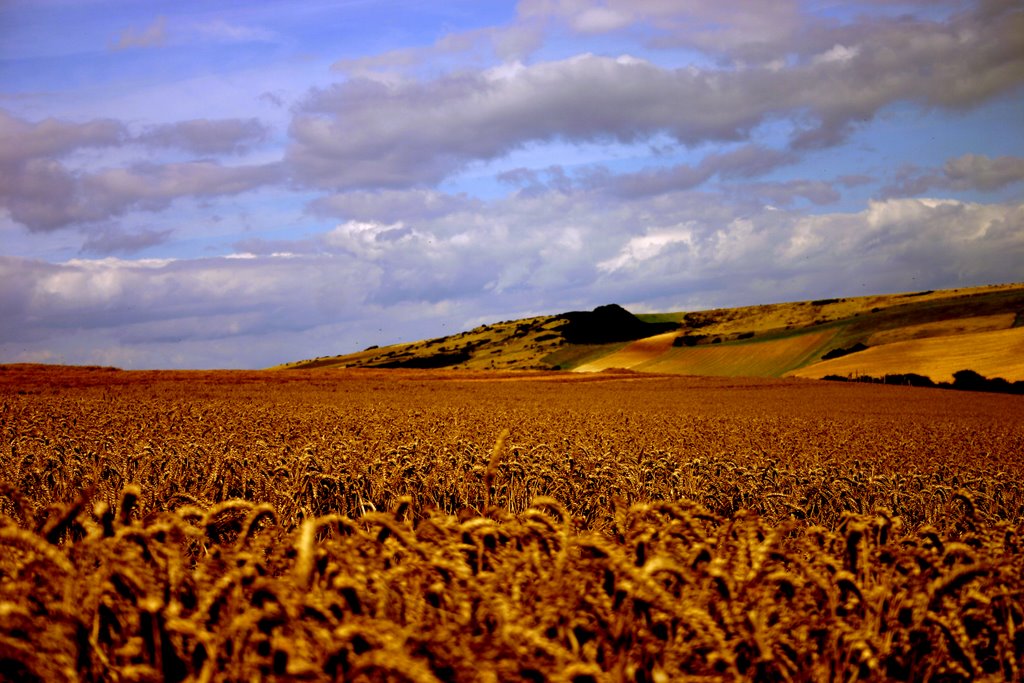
(995, 353)
(761, 358)
(427, 526)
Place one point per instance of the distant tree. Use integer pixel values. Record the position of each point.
(963, 380)
(969, 380)
(909, 379)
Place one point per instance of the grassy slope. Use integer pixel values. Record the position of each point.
(511, 344)
(798, 314)
(786, 338)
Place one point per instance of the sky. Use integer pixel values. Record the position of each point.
(211, 184)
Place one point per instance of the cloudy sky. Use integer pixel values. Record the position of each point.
(220, 184)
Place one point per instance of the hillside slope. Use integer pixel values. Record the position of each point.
(971, 328)
(998, 353)
(528, 344)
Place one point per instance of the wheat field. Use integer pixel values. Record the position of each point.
(415, 526)
(995, 353)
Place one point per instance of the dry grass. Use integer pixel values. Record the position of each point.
(424, 527)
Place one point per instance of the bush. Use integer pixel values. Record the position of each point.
(689, 340)
(839, 353)
(963, 380)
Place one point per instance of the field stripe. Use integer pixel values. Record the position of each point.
(993, 354)
(752, 358)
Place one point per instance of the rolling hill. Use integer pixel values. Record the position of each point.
(933, 333)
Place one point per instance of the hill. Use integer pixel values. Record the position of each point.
(528, 344)
(929, 333)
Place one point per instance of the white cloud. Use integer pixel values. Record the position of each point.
(371, 240)
(645, 247)
(837, 53)
(548, 254)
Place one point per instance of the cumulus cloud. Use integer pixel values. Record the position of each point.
(541, 254)
(967, 172)
(154, 186)
(360, 134)
(46, 196)
(647, 246)
(206, 136)
(885, 245)
(22, 141)
(118, 293)
(765, 33)
(42, 193)
(979, 172)
(371, 240)
(366, 133)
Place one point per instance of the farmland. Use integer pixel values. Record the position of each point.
(427, 525)
(927, 332)
(761, 358)
(995, 353)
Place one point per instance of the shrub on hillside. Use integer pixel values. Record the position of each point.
(839, 353)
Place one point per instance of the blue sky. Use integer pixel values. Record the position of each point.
(215, 184)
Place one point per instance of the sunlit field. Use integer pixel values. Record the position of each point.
(428, 526)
